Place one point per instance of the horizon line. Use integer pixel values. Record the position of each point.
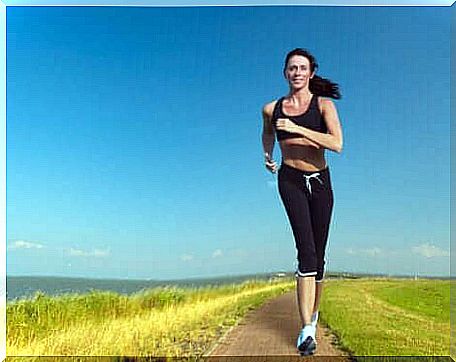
(272, 273)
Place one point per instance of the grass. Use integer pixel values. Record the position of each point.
(158, 322)
(370, 316)
(387, 317)
(428, 298)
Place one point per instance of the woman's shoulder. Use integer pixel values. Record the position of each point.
(325, 103)
(268, 108)
(324, 100)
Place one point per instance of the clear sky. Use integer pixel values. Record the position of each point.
(134, 139)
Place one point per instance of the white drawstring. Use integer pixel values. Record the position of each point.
(314, 175)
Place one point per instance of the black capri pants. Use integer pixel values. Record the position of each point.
(308, 200)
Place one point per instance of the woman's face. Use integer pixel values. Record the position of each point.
(298, 71)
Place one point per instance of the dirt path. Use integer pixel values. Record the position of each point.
(271, 330)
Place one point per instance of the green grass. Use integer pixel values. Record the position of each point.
(387, 317)
(428, 298)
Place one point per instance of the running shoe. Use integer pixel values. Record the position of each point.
(306, 342)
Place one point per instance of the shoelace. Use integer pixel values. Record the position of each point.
(314, 175)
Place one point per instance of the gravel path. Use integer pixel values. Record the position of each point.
(271, 330)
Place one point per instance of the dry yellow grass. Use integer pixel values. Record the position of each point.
(2, 328)
(185, 329)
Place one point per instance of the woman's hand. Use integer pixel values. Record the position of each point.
(284, 124)
(270, 164)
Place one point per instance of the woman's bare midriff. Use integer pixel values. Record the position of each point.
(305, 158)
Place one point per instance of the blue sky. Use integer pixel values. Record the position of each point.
(134, 139)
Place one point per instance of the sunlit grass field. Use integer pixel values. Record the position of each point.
(370, 316)
(394, 317)
(155, 322)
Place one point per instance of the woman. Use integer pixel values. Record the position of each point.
(305, 124)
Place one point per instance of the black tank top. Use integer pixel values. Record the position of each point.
(311, 119)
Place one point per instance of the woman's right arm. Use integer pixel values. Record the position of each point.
(268, 137)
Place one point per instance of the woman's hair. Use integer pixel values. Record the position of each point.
(317, 85)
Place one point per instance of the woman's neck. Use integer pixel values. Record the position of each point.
(300, 96)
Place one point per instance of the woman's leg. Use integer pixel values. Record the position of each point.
(321, 206)
(306, 298)
(295, 199)
(318, 293)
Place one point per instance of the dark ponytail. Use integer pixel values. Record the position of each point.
(317, 85)
(324, 87)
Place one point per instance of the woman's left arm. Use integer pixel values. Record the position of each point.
(332, 140)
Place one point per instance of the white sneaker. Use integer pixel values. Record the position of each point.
(306, 342)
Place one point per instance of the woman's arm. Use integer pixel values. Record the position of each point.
(302, 141)
(332, 140)
(268, 136)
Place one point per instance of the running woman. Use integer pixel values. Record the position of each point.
(306, 123)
